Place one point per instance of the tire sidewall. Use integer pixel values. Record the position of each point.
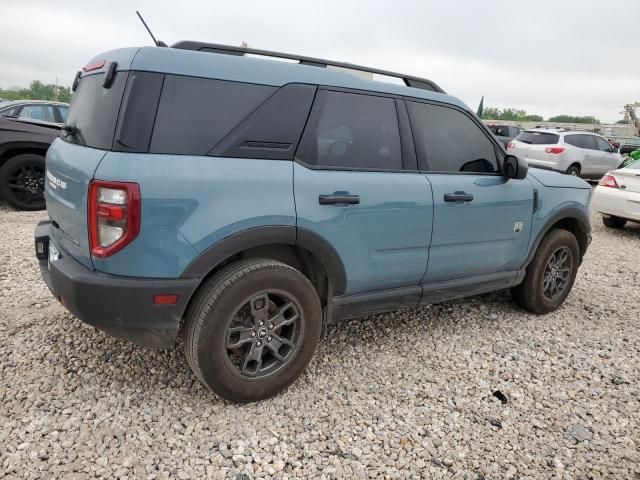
(217, 372)
(554, 240)
(8, 169)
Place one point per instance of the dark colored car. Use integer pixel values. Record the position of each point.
(628, 145)
(505, 133)
(23, 146)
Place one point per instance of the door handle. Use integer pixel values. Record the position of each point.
(458, 197)
(335, 199)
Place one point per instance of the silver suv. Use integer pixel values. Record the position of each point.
(583, 154)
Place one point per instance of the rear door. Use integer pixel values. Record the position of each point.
(482, 221)
(357, 186)
(72, 159)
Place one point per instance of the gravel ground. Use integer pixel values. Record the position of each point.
(405, 395)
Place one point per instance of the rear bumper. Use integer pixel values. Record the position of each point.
(616, 202)
(120, 306)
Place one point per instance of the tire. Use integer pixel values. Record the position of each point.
(614, 222)
(531, 294)
(573, 170)
(226, 312)
(22, 182)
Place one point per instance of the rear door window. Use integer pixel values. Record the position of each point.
(538, 138)
(588, 142)
(352, 131)
(194, 114)
(447, 140)
(94, 111)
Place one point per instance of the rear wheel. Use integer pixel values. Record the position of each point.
(252, 329)
(22, 182)
(614, 222)
(574, 171)
(551, 273)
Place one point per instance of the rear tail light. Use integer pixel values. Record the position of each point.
(511, 145)
(554, 150)
(608, 181)
(114, 216)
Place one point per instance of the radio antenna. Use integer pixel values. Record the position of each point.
(158, 43)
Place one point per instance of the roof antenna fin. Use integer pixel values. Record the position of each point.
(158, 43)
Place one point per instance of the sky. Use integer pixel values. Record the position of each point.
(575, 57)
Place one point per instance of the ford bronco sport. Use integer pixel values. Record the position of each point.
(242, 203)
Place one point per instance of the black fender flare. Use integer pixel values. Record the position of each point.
(23, 145)
(238, 242)
(566, 213)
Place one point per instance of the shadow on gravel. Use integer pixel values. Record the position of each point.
(167, 370)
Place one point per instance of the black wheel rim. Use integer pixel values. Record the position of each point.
(557, 273)
(264, 334)
(26, 184)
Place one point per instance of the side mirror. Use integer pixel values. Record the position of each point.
(515, 167)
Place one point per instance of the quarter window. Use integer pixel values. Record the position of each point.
(194, 114)
(588, 141)
(353, 131)
(450, 141)
(572, 140)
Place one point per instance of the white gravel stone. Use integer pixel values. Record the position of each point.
(401, 395)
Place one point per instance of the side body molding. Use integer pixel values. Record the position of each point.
(271, 235)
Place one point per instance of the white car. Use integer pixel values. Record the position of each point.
(582, 154)
(617, 196)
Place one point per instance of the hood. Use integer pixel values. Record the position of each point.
(549, 178)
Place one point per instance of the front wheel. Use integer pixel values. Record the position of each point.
(551, 273)
(22, 182)
(252, 329)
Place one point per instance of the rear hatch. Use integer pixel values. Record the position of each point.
(533, 146)
(73, 158)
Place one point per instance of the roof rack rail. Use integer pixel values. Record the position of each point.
(410, 81)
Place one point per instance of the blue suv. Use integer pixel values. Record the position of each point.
(242, 203)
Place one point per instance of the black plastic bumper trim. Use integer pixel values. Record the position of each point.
(120, 306)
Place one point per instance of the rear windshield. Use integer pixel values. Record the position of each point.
(538, 138)
(94, 111)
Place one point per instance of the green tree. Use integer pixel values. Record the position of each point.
(513, 114)
(573, 119)
(37, 91)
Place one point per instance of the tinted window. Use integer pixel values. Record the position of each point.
(194, 114)
(602, 144)
(572, 140)
(588, 141)
(94, 111)
(538, 138)
(353, 131)
(450, 141)
(43, 113)
(63, 112)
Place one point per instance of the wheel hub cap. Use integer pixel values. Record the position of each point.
(557, 273)
(264, 334)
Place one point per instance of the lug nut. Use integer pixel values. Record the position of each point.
(258, 343)
(261, 323)
(271, 326)
(268, 339)
(253, 334)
